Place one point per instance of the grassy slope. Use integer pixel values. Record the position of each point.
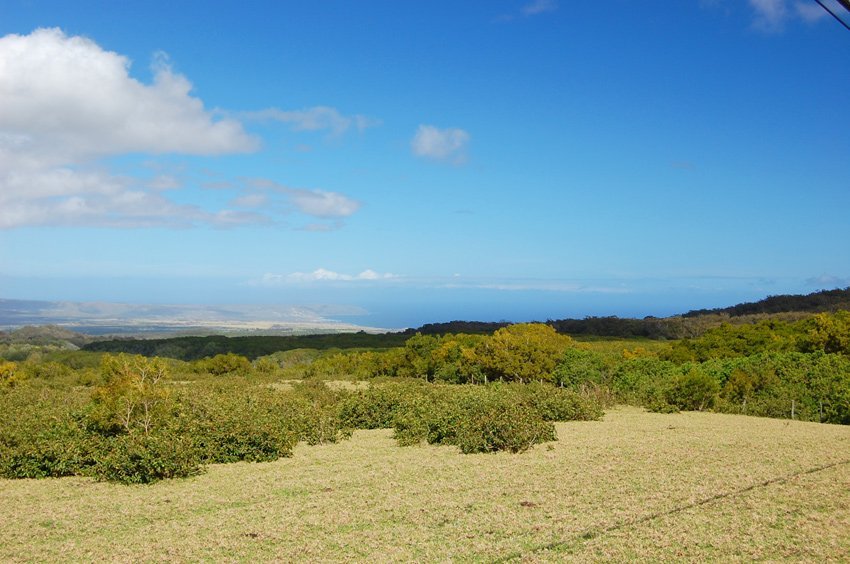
(636, 485)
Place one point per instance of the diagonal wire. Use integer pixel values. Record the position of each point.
(835, 7)
(593, 533)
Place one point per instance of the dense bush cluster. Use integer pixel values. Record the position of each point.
(510, 417)
(523, 352)
(133, 419)
(137, 423)
(807, 386)
(136, 426)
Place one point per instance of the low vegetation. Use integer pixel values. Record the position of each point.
(133, 419)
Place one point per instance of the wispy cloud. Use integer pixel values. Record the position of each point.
(321, 204)
(828, 281)
(253, 200)
(771, 16)
(448, 145)
(811, 11)
(321, 275)
(530, 9)
(539, 7)
(318, 118)
(525, 285)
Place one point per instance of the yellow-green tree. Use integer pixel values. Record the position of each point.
(830, 333)
(134, 395)
(523, 352)
(10, 374)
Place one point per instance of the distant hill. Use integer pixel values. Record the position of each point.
(468, 327)
(817, 302)
(691, 324)
(193, 348)
(45, 335)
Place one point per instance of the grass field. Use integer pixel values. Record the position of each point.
(692, 486)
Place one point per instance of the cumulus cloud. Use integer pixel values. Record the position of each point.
(447, 145)
(65, 98)
(65, 103)
(319, 118)
(321, 275)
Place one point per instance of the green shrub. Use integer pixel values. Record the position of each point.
(222, 364)
(660, 405)
(693, 391)
(376, 407)
(637, 381)
(144, 458)
(501, 423)
(474, 418)
(60, 448)
(234, 424)
(40, 434)
(578, 367)
(558, 404)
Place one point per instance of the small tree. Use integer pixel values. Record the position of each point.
(222, 364)
(133, 397)
(523, 352)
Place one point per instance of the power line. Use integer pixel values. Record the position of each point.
(841, 4)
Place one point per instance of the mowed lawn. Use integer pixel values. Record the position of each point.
(693, 486)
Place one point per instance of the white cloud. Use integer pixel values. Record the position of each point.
(539, 7)
(65, 98)
(440, 144)
(64, 103)
(317, 203)
(321, 275)
(318, 118)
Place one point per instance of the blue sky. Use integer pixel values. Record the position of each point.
(422, 161)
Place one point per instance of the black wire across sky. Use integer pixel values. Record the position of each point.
(839, 9)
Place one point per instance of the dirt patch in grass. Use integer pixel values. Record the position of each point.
(633, 486)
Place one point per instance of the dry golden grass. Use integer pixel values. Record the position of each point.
(634, 486)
